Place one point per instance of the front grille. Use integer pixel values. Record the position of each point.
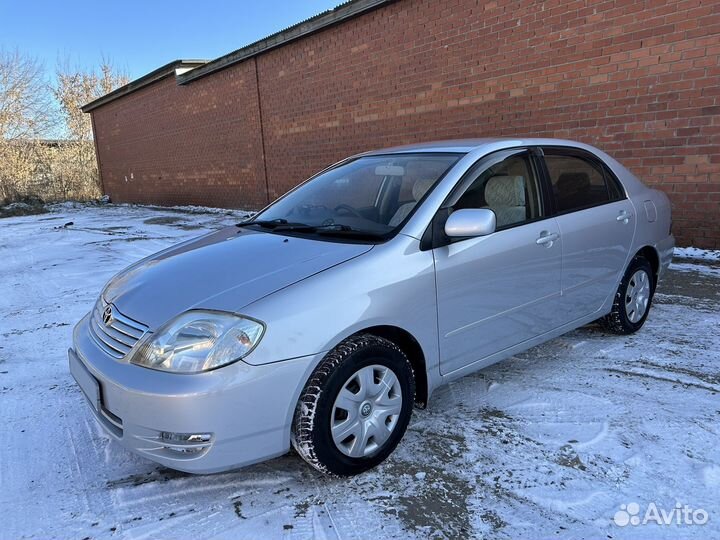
(119, 334)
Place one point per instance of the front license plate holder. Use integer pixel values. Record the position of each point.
(87, 383)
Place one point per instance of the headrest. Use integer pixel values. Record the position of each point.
(421, 187)
(505, 191)
(573, 181)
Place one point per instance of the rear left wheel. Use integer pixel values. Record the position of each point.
(633, 299)
(356, 406)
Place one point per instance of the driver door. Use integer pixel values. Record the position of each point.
(499, 290)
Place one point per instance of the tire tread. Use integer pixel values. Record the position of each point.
(304, 419)
(614, 321)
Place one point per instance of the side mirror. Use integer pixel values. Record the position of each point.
(470, 222)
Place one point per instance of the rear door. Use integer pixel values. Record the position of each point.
(597, 224)
(498, 290)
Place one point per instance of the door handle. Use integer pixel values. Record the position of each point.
(624, 216)
(546, 239)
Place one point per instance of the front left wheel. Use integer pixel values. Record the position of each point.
(356, 406)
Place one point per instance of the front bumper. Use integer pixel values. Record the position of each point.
(247, 410)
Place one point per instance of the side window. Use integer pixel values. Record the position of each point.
(509, 188)
(578, 183)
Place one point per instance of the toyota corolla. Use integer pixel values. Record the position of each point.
(321, 322)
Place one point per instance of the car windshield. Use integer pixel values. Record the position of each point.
(369, 196)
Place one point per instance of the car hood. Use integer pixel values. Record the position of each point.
(225, 270)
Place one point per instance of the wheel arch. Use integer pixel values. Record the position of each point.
(412, 349)
(652, 256)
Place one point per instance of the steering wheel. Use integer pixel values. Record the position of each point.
(348, 209)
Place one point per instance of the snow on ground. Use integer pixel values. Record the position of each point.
(695, 253)
(549, 443)
(703, 261)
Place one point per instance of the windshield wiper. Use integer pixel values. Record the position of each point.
(268, 224)
(337, 229)
(330, 229)
(281, 224)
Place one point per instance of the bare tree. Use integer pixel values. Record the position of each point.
(25, 111)
(31, 165)
(75, 170)
(25, 116)
(77, 87)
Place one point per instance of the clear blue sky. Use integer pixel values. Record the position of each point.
(139, 36)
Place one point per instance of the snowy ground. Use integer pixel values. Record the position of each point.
(547, 444)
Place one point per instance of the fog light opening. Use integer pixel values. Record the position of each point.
(186, 443)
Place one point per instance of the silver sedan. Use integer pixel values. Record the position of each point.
(325, 319)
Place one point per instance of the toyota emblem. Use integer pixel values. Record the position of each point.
(108, 316)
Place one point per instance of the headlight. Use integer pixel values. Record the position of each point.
(198, 341)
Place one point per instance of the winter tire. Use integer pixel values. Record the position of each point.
(356, 406)
(632, 299)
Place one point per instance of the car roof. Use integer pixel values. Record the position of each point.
(468, 145)
(492, 144)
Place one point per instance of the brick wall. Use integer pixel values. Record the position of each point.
(194, 144)
(641, 80)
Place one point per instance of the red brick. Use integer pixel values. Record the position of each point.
(638, 79)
